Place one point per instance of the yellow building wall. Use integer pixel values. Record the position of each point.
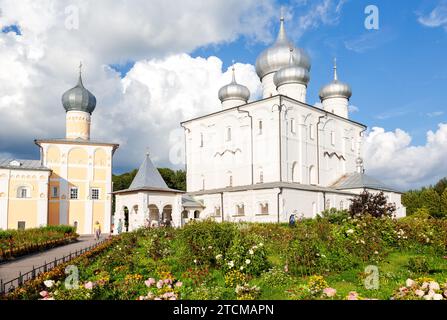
(98, 214)
(23, 209)
(76, 173)
(76, 211)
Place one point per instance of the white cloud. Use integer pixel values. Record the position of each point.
(435, 114)
(353, 108)
(163, 88)
(436, 18)
(391, 157)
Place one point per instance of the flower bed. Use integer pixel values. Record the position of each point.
(33, 288)
(14, 243)
(317, 259)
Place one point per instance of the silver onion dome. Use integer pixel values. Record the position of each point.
(335, 89)
(234, 91)
(277, 56)
(291, 74)
(79, 98)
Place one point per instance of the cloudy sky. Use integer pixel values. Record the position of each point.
(152, 64)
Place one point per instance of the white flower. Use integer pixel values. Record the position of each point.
(231, 264)
(419, 293)
(362, 241)
(323, 256)
(429, 295)
(241, 268)
(251, 252)
(438, 297)
(195, 261)
(254, 247)
(349, 231)
(434, 286)
(210, 247)
(424, 285)
(218, 257)
(247, 261)
(48, 283)
(410, 283)
(261, 244)
(376, 252)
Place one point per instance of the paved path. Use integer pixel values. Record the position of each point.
(10, 270)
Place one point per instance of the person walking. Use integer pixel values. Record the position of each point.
(97, 230)
(120, 226)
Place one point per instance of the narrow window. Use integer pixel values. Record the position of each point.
(260, 127)
(352, 144)
(201, 140)
(264, 208)
(261, 177)
(54, 192)
(333, 138)
(95, 194)
(217, 211)
(73, 193)
(341, 205)
(292, 125)
(228, 134)
(231, 181)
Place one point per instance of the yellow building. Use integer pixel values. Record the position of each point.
(72, 182)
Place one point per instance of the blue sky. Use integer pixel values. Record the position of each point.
(398, 73)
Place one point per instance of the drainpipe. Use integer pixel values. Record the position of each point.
(251, 143)
(318, 147)
(279, 193)
(186, 162)
(280, 106)
(222, 206)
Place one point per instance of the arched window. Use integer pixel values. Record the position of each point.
(240, 209)
(23, 192)
(328, 204)
(295, 170)
(196, 214)
(184, 214)
(264, 208)
(228, 134)
(135, 209)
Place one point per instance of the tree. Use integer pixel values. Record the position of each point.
(431, 200)
(444, 203)
(375, 205)
(174, 179)
(412, 201)
(441, 186)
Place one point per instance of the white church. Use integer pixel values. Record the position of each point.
(264, 160)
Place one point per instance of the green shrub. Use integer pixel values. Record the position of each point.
(334, 216)
(275, 277)
(418, 264)
(199, 242)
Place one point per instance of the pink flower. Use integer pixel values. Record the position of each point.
(43, 294)
(89, 285)
(168, 281)
(353, 295)
(173, 298)
(157, 298)
(179, 284)
(160, 284)
(149, 282)
(419, 293)
(330, 292)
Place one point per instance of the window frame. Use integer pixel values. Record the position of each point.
(74, 190)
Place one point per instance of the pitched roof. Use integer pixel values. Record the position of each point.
(21, 164)
(148, 178)
(358, 180)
